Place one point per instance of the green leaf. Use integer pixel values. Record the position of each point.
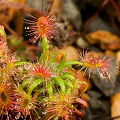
(21, 63)
(53, 55)
(69, 63)
(69, 87)
(32, 86)
(49, 88)
(68, 83)
(69, 76)
(45, 44)
(41, 57)
(61, 65)
(37, 93)
(61, 83)
(54, 117)
(26, 82)
(67, 90)
(86, 85)
(2, 33)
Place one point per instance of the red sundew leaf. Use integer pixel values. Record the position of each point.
(103, 66)
(43, 26)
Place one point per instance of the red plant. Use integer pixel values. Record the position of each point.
(43, 26)
(41, 70)
(7, 98)
(60, 105)
(37, 70)
(7, 66)
(24, 103)
(102, 65)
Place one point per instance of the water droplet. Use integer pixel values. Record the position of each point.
(7, 118)
(44, 113)
(34, 41)
(116, 66)
(105, 74)
(18, 116)
(39, 117)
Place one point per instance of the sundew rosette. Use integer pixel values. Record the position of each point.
(102, 65)
(59, 106)
(7, 99)
(46, 71)
(45, 25)
(63, 106)
(8, 68)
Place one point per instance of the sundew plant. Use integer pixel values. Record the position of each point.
(45, 89)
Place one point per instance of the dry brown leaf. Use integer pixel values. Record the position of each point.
(105, 39)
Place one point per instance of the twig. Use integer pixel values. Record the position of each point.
(10, 30)
(116, 8)
(19, 24)
(6, 4)
(115, 26)
(25, 43)
(94, 16)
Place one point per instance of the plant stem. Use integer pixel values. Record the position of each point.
(60, 67)
(45, 44)
(69, 63)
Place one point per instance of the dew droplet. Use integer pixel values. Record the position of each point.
(44, 113)
(18, 116)
(105, 74)
(34, 41)
(39, 117)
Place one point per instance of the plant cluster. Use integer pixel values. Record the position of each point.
(45, 89)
